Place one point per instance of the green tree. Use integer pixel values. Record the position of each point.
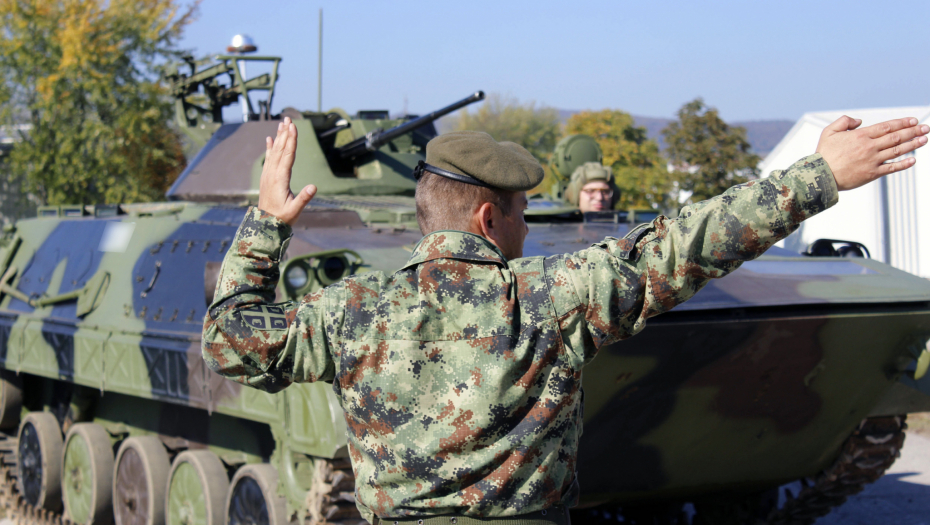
(14, 202)
(536, 128)
(82, 76)
(709, 156)
(639, 170)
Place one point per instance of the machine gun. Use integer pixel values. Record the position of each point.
(218, 95)
(198, 113)
(377, 138)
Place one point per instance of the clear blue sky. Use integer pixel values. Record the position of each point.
(750, 59)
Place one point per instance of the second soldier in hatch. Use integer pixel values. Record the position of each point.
(592, 188)
(460, 374)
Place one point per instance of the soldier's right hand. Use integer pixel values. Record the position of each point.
(859, 156)
(274, 190)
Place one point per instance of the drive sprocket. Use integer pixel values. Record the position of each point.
(12, 503)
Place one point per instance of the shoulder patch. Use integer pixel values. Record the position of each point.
(265, 317)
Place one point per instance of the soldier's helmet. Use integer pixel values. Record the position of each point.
(589, 172)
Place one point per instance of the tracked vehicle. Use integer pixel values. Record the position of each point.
(788, 369)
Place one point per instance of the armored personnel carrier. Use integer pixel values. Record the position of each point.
(787, 370)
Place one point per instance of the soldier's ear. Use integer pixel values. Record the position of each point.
(491, 216)
(481, 222)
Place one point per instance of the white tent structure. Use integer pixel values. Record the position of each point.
(887, 217)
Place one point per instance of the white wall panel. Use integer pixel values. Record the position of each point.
(893, 234)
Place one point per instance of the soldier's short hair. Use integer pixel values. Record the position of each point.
(446, 204)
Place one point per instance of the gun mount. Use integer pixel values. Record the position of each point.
(366, 154)
(201, 114)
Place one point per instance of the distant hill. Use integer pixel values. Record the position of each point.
(764, 135)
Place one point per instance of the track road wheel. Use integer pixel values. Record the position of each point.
(139, 481)
(87, 475)
(11, 399)
(253, 497)
(197, 486)
(39, 461)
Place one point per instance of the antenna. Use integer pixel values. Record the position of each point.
(319, 73)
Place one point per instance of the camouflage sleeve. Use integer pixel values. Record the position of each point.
(252, 340)
(620, 283)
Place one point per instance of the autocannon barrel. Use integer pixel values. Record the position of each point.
(374, 140)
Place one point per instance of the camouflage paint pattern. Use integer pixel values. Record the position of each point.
(706, 399)
(460, 374)
(135, 357)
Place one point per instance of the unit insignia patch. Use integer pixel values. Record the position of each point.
(265, 317)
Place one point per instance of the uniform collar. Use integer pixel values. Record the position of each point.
(452, 244)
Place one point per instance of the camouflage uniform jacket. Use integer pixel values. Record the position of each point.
(460, 374)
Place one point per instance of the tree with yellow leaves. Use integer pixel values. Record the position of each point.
(639, 170)
(79, 81)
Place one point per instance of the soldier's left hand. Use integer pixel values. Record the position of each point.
(274, 190)
(859, 156)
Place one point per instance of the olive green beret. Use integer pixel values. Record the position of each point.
(473, 157)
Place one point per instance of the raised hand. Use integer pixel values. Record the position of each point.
(274, 190)
(859, 156)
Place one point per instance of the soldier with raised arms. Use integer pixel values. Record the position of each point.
(460, 373)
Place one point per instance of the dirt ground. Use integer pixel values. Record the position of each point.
(919, 424)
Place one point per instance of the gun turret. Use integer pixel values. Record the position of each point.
(200, 96)
(368, 154)
(377, 138)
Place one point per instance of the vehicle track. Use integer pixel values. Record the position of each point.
(864, 457)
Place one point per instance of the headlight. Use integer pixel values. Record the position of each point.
(305, 273)
(331, 269)
(297, 276)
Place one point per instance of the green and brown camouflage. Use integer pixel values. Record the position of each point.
(754, 382)
(460, 374)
